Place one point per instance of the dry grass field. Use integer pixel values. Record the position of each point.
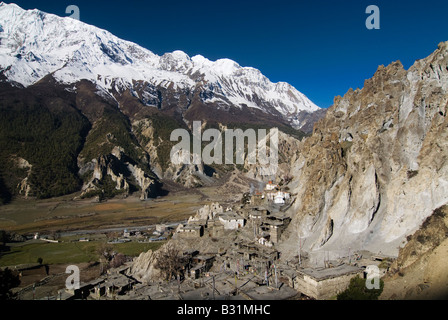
(64, 213)
(72, 218)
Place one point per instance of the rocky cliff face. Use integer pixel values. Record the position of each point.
(24, 187)
(143, 268)
(158, 147)
(376, 166)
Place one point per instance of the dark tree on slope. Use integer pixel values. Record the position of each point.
(170, 261)
(7, 281)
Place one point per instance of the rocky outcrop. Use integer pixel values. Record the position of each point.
(194, 175)
(105, 165)
(189, 175)
(146, 183)
(376, 166)
(308, 119)
(158, 148)
(24, 186)
(287, 147)
(143, 267)
(121, 172)
(206, 213)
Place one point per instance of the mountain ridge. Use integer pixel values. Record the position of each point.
(35, 44)
(128, 101)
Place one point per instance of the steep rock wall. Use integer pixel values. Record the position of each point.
(375, 167)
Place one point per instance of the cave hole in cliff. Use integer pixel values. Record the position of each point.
(209, 171)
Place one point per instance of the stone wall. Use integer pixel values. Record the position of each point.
(325, 288)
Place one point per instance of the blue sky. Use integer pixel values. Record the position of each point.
(322, 47)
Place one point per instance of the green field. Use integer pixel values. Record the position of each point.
(26, 217)
(67, 252)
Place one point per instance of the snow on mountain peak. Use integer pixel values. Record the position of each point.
(180, 55)
(226, 66)
(34, 44)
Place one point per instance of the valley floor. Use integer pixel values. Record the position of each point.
(73, 220)
(65, 213)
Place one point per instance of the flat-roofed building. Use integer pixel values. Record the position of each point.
(324, 283)
(231, 220)
(190, 231)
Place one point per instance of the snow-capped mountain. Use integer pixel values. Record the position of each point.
(34, 44)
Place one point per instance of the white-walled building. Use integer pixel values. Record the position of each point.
(265, 242)
(270, 186)
(231, 220)
(280, 197)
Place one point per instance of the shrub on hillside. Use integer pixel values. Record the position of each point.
(357, 290)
